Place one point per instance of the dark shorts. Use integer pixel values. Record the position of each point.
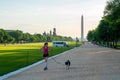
(45, 55)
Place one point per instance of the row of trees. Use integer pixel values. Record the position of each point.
(17, 36)
(108, 31)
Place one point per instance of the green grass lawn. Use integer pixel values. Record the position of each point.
(118, 46)
(15, 56)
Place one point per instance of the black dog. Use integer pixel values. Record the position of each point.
(67, 63)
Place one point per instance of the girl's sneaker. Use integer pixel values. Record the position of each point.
(45, 68)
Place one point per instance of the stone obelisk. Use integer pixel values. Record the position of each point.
(82, 28)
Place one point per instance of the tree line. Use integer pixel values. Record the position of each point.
(108, 31)
(17, 36)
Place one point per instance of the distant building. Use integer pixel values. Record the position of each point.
(44, 33)
(50, 32)
(54, 32)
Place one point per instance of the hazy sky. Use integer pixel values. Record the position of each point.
(37, 16)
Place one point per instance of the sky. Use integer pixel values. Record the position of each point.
(37, 16)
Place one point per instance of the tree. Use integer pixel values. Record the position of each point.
(112, 12)
(17, 35)
(5, 37)
(108, 29)
(26, 37)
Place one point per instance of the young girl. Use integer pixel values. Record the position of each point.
(45, 54)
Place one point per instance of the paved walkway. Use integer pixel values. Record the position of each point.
(89, 62)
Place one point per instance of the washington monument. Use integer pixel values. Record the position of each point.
(82, 28)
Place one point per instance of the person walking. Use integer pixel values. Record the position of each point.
(45, 55)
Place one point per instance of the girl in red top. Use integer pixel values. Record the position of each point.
(45, 54)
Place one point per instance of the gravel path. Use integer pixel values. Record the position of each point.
(88, 62)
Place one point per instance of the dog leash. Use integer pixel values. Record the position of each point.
(57, 61)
